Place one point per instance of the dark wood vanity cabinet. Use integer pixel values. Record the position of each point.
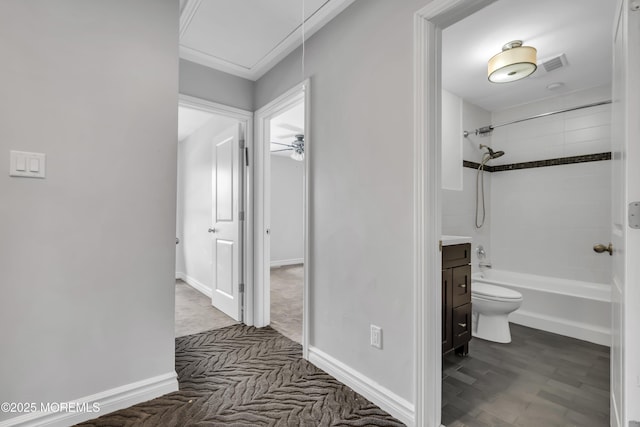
(456, 298)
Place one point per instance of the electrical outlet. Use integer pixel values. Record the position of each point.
(376, 336)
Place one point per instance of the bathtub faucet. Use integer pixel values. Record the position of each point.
(484, 264)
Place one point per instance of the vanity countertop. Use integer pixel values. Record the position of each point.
(455, 240)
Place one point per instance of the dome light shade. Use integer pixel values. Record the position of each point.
(297, 155)
(515, 62)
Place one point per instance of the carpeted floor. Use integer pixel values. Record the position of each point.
(243, 376)
(194, 312)
(286, 300)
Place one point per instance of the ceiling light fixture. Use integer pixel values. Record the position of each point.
(515, 62)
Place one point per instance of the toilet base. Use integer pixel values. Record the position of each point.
(491, 328)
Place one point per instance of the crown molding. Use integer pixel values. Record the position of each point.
(187, 12)
(317, 20)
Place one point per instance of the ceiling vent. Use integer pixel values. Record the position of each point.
(551, 64)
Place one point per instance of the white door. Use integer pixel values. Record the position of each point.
(625, 346)
(226, 229)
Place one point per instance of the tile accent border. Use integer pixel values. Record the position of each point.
(541, 163)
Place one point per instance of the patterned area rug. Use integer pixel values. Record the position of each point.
(243, 376)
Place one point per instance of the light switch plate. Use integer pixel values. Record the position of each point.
(26, 164)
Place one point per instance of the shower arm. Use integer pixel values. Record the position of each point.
(488, 129)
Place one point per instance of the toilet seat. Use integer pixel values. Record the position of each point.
(494, 293)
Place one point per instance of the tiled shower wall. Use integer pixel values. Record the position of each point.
(546, 220)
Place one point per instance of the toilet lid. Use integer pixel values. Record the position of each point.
(489, 291)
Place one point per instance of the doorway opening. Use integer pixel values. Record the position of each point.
(282, 215)
(532, 156)
(211, 226)
(430, 119)
(286, 231)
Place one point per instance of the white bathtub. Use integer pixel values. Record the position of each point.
(567, 307)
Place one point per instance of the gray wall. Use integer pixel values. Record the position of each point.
(287, 211)
(87, 254)
(216, 86)
(361, 154)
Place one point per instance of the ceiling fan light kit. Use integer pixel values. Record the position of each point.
(297, 146)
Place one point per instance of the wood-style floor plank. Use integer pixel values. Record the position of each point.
(539, 379)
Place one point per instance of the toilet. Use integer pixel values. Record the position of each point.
(491, 306)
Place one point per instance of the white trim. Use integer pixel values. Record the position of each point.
(306, 231)
(246, 118)
(300, 92)
(214, 107)
(311, 25)
(568, 328)
(195, 284)
(210, 61)
(426, 219)
(428, 25)
(285, 262)
(395, 405)
(187, 13)
(108, 401)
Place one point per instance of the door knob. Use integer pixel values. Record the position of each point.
(212, 230)
(602, 248)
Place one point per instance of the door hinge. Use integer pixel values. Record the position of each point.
(241, 216)
(634, 215)
(241, 287)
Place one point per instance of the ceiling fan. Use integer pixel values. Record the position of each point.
(297, 146)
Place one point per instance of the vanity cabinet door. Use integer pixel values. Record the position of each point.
(461, 325)
(456, 298)
(447, 307)
(461, 285)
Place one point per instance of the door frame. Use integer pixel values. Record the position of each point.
(262, 303)
(428, 24)
(246, 119)
(623, 412)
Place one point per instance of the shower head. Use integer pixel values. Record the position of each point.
(492, 154)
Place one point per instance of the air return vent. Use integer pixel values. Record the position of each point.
(551, 64)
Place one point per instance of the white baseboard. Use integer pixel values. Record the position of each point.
(568, 328)
(106, 401)
(384, 398)
(285, 262)
(198, 286)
